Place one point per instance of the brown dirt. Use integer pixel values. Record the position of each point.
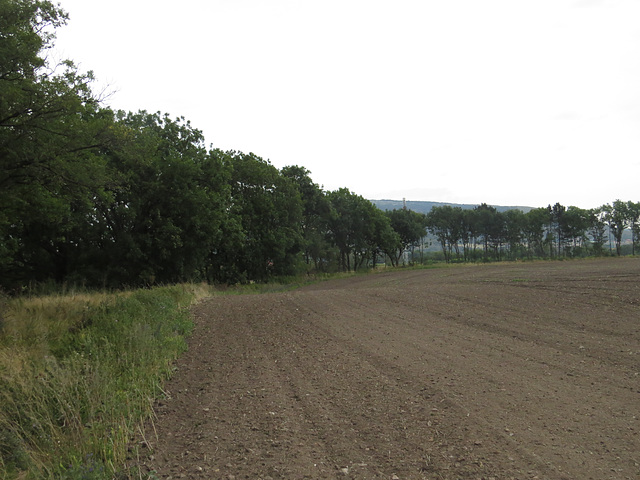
(500, 371)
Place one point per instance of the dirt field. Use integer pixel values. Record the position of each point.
(483, 372)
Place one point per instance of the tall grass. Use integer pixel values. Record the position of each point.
(78, 376)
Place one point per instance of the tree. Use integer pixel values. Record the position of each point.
(386, 240)
(315, 213)
(633, 217)
(555, 232)
(410, 226)
(514, 225)
(163, 209)
(574, 225)
(617, 219)
(269, 210)
(490, 225)
(43, 114)
(468, 233)
(443, 223)
(533, 231)
(352, 227)
(597, 230)
(51, 128)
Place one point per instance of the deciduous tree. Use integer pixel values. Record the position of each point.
(51, 129)
(269, 209)
(617, 219)
(410, 227)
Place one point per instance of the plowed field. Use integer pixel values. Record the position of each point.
(501, 371)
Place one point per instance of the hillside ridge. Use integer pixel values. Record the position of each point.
(421, 206)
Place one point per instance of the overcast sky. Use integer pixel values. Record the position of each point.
(507, 102)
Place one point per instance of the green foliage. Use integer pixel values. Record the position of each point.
(316, 209)
(617, 218)
(268, 210)
(163, 212)
(633, 217)
(533, 232)
(386, 240)
(410, 227)
(356, 227)
(26, 32)
(514, 223)
(445, 223)
(551, 232)
(50, 127)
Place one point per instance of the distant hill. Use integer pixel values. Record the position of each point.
(425, 207)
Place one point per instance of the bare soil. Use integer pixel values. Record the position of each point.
(480, 372)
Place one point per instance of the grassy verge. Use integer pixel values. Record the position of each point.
(78, 376)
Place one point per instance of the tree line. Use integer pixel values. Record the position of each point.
(552, 232)
(110, 198)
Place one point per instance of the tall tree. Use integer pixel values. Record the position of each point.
(386, 240)
(533, 231)
(633, 217)
(410, 226)
(352, 226)
(617, 219)
(556, 221)
(491, 227)
(51, 128)
(315, 214)
(269, 210)
(165, 204)
(468, 233)
(514, 225)
(574, 225)
(443, 223)
(597, 230)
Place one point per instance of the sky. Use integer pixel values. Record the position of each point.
(499, 101)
